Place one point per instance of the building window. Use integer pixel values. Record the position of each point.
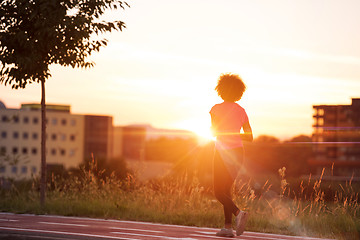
(25, 135)
(53, 151)
(35, 136)
(2, 169)
(71, 152)
(4, 118)
(14, 169)
(63, 137)
(72, 137)
(62, 152)
(53, 136)
(3, 150)
(3, 134)
(34, 151)
(26, 120)
(35, 120)
(73, 122)
(33, 169)
(24, 169)
(16, 119)
(16, 135)
(54, 121)
(63, 122)
(25, 150)
(15, 150)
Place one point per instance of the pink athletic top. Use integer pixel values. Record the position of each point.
(229, 117)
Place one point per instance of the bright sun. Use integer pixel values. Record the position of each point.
(204, 135)
(203, 131)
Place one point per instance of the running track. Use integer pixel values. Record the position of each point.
(26, 226)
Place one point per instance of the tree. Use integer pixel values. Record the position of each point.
(263, 154)
(35, 34)
(295, 154)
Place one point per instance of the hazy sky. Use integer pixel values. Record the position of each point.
(163, 68)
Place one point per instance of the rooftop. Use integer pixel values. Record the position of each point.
(49, 107)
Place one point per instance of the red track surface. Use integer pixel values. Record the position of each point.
(57, 227)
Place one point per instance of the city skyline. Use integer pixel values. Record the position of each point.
(163, 68)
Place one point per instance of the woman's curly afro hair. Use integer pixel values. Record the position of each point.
(230, 87)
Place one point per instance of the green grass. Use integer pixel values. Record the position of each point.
(184, 201)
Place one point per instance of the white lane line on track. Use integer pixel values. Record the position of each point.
(64, 224)
(158, 224)
(154, 236)
(113, 220)
(246, 235)
(64, 233)
(8, 220)
(288, 236)
(212, 237)
(135, 229)
(267, 235)
(207, 233)
(162, 225)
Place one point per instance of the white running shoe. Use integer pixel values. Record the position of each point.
(240, 221)
(225, 232)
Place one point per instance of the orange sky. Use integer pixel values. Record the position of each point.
(163, 68)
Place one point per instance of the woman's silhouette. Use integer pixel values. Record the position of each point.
(227, 119)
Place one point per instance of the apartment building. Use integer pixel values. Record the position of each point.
(71, 139)
(20, 133)
(133, 143)
(336, 138)
(98, 139)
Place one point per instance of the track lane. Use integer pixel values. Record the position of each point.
(60, 227)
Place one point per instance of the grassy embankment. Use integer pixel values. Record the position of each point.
(274, 208)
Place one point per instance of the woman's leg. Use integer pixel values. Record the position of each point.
(222, 188)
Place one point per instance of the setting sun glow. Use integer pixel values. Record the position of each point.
(204, 135)
(156, 72)
(202, 131)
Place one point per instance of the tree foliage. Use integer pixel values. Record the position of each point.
(37, 33)
(267, 154)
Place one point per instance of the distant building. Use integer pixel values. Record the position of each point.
(71, 139)
(98, 139)
(117, 142)
(134, 139)
(20, 133)
(133, 142)
(337, 138)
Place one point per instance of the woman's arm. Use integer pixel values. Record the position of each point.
(247, 135)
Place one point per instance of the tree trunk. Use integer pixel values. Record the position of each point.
(43, 145)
